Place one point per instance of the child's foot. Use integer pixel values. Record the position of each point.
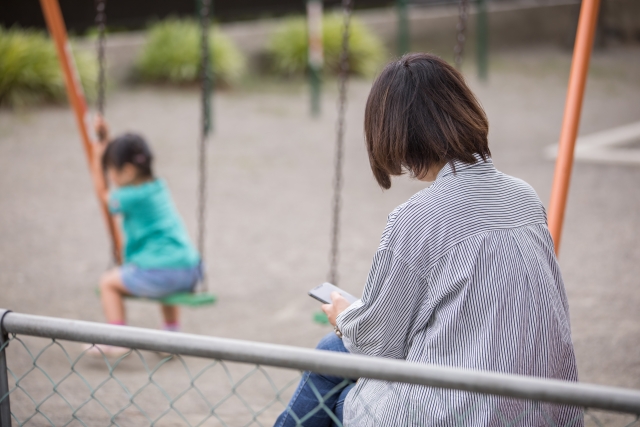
(106, 350)
(171, 327)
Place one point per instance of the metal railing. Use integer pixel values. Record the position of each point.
(46, 378)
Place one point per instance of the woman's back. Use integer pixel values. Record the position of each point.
(465, 276)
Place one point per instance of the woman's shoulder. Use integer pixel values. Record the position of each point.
(399, 216)
(459, 205)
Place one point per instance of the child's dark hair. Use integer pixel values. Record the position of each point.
(129, 148)
(420, 113)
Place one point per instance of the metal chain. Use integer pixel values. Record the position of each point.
(101, 23)
(461, 36)
(205, 130)
(101, 20)
(339, 149)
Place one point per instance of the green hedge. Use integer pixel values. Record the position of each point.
(172, 54)
(30, 72)
(288, 46)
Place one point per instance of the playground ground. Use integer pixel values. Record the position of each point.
(269, 202)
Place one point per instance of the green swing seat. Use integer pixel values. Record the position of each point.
(188, 299)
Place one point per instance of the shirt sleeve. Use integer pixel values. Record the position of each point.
(122, 200)
(384, 321)
(114, 204)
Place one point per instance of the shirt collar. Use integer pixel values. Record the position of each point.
(447, 169)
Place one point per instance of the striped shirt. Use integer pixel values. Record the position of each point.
(465, 276)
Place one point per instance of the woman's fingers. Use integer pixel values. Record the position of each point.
(326, 308)
(330, 311)
(336, 296)
(337, 306)
(339, 302)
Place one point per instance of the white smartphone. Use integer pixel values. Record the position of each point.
(323, 293)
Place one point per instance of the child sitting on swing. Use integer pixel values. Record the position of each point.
(158, 257)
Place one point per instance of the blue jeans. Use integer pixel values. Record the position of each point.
(319, 399)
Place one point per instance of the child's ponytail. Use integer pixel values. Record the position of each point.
(129, 148)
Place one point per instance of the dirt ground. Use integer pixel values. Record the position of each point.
(269, 203)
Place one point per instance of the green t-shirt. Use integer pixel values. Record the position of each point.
(155, 236)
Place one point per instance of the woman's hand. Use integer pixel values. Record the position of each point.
(337, 306)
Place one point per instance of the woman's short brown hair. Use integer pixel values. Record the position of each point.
(420, 113)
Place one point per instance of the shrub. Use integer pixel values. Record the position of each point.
(172, 54)
(30, 72)
(288, 46)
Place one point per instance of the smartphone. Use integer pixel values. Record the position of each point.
(323, 293)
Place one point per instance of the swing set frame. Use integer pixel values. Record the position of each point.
(75, 93)
(575, 94)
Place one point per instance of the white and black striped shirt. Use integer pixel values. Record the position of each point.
(465, 276)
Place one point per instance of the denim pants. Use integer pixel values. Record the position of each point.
(317, 394)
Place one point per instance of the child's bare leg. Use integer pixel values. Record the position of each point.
(171, 315)
(112, 291)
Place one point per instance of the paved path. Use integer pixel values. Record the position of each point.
(270, 203)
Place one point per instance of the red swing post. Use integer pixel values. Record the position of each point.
(55, 24)
(571, 120)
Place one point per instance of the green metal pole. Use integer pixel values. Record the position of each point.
(482, 40)
(315, 55)
(403, 27)
(315, 83)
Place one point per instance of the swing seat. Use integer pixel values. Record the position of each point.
(187, 299)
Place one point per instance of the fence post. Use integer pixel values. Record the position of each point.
(5, 407)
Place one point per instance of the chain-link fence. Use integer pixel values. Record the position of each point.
(50, 377)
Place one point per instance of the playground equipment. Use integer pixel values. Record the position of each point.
(315, 53)
(577, 81)
(482, 29)
(571, 120)
(343, 78)
(58, 32)
(55, 24)
(461, 36)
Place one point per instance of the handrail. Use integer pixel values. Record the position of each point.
(329, 363)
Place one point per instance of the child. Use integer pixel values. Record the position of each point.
(158, 257)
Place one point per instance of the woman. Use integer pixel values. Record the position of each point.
(465, 274)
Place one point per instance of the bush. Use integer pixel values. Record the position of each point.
(288, 46)
(172, 54)
(30, 72)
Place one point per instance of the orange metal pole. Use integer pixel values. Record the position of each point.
(575, 94)
(55, 23)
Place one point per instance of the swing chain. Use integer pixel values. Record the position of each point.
(206, 127)
(101, 21)
(461, 37)
(339, 149)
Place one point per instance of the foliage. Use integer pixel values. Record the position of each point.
(288, 46)
(172, 54)
(30, 72)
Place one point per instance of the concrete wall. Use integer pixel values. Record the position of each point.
(512, 25)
